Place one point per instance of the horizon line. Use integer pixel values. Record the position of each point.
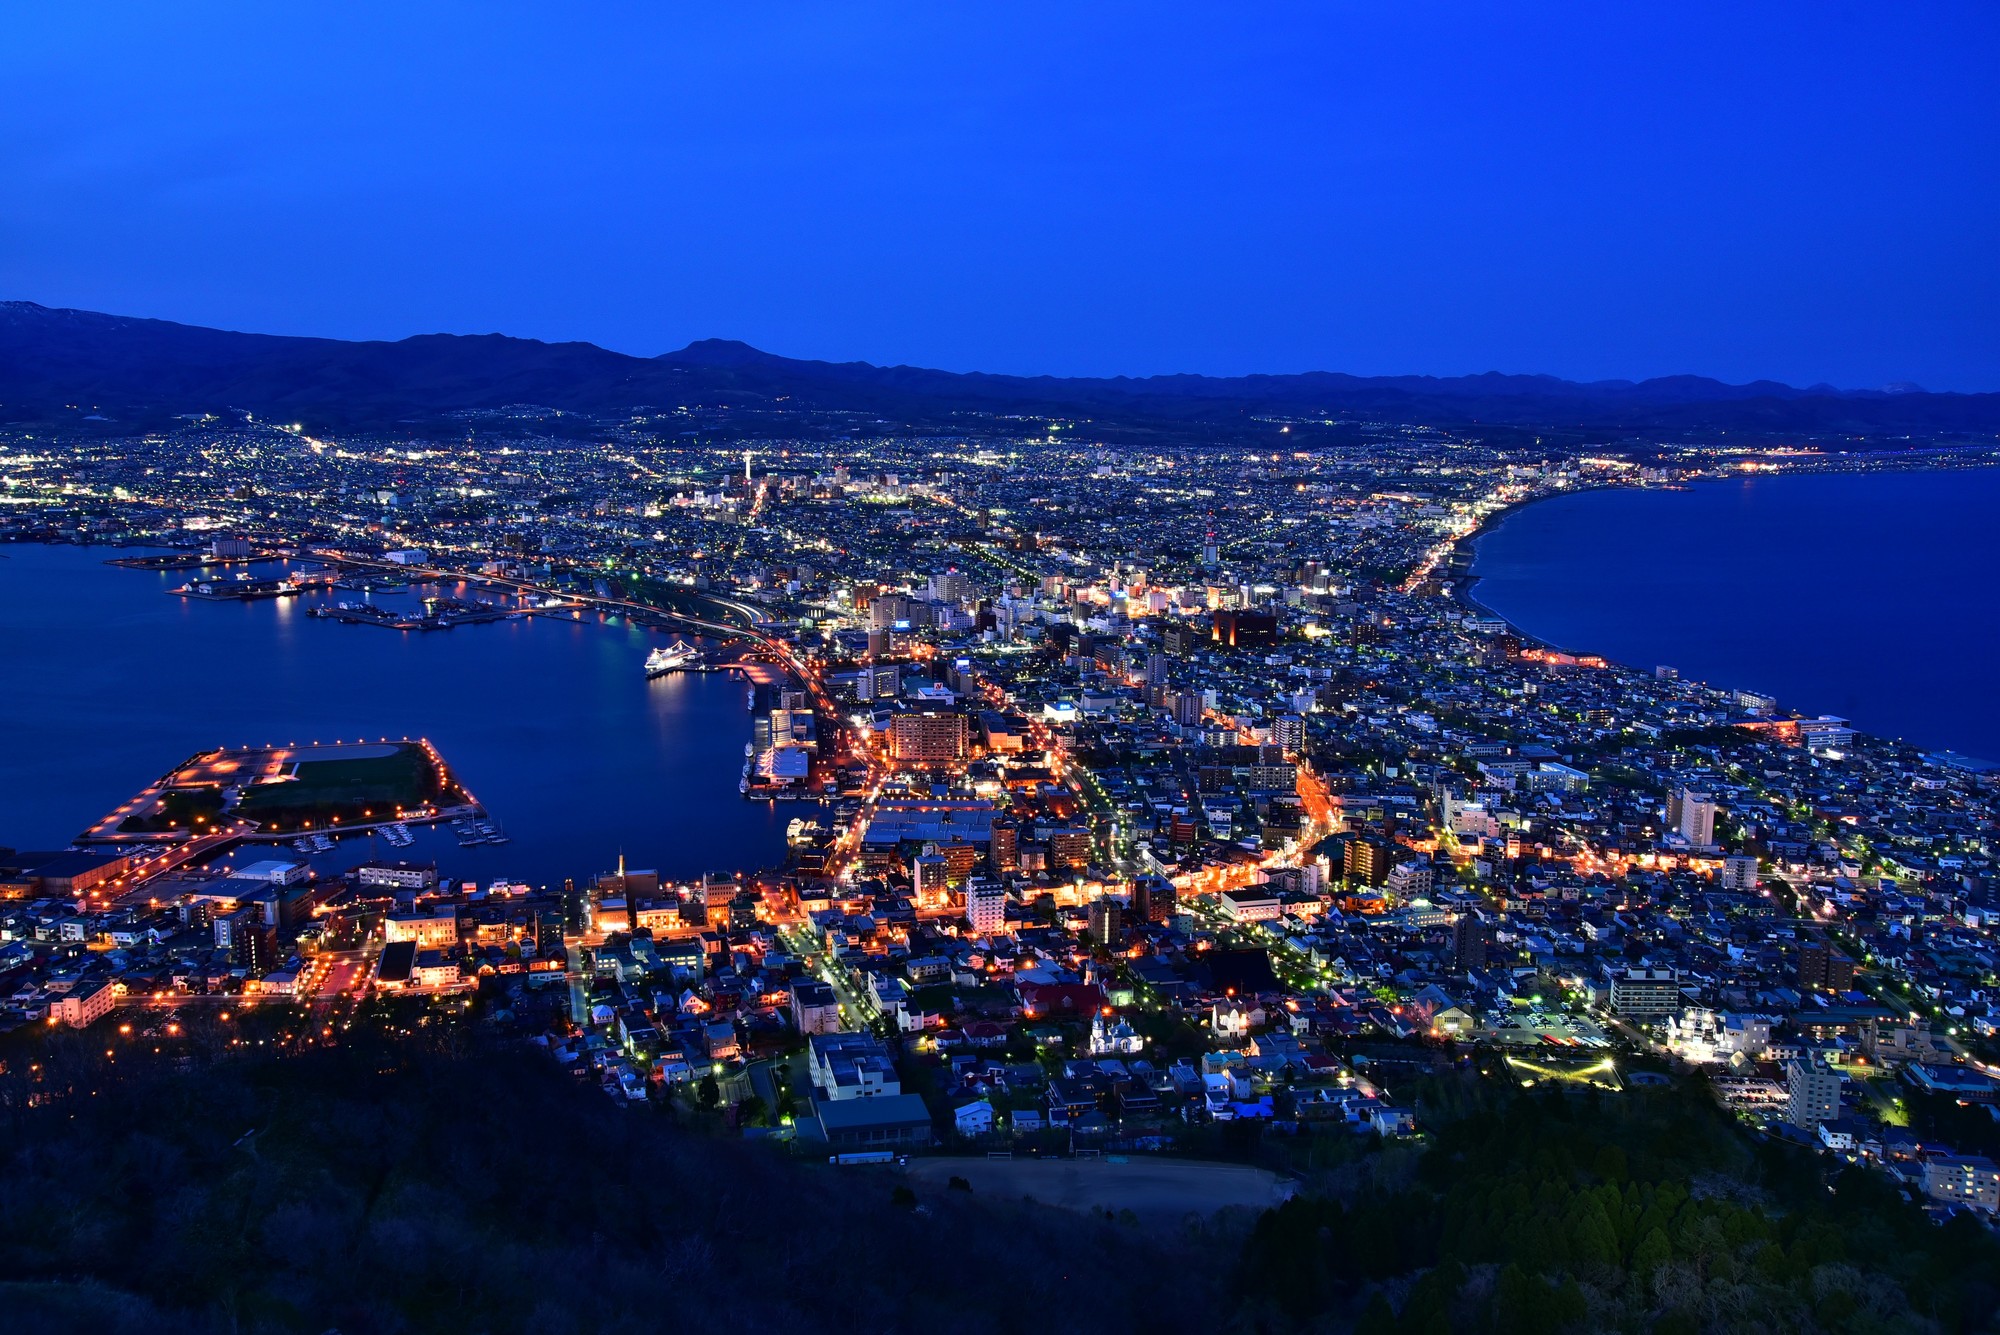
(1892, 387)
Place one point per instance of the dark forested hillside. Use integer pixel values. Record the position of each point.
(362, 1190)
(1647, 1212)
(382, 1188)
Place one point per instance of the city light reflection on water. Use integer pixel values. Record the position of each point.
(549, 721)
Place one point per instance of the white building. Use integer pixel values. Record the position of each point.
(1232, 1018)
(1388, 1121)
(428, 930)
(1410, 880)
(1250, 905)
(815, 1010)
(851, 1066)
(1692, 815)
(396, 875)
(86, 1003)
(277, 871)
(434, 968)
(1552, 775)
(1963, 1180)
(1645, 991)
(985, 907)
(974, 1117)
(1110, 1036)
(1814, 1094)
(1702, 1036)
(1739, 872)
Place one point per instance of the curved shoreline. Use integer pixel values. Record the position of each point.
(655, 757)
(1463, 587)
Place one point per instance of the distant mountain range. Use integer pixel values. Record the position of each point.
(80, 366)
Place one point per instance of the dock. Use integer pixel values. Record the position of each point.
(191, 560)
(443, 618)
(237, 590)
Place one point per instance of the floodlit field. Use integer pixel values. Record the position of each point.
(1156, 1190)
(284, 789)
(392, 774)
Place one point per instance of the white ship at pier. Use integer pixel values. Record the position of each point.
(676, 657)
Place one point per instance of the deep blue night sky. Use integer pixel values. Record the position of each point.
(1809, 192)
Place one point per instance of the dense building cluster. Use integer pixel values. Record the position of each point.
(1155, 790)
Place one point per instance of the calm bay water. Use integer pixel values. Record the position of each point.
(107, 682)
(1868, 595)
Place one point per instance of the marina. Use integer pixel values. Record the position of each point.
(548, 717)
(240, 587)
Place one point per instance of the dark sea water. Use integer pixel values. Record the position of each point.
(106, 682)
(1868, 595)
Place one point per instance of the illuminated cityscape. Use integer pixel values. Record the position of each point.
(1068, 726)
(1292, 672)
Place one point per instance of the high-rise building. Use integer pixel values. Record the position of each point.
(930, 879)
(1693, 815)
(1814, 1093)
(886, 612)
(1153, 899)
(1186, 707)
(1366, 860)
(1824, 968)
(1646, 991)
(961, 857)
(1106, 921)
(985, 907)
(247, 939)
(1239, 629)
(1003, 849)
(882, 681)
(930, 738)
(1739, 873)
(1070, 848)
(1470, 935)
(1289, 732)
(718, 890)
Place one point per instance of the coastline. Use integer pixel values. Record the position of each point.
(1462, 586)
(1465, 581)
(616, 761)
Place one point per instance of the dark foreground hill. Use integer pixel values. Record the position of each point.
(367, 1191)
(375, 1188)
(67, 366)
